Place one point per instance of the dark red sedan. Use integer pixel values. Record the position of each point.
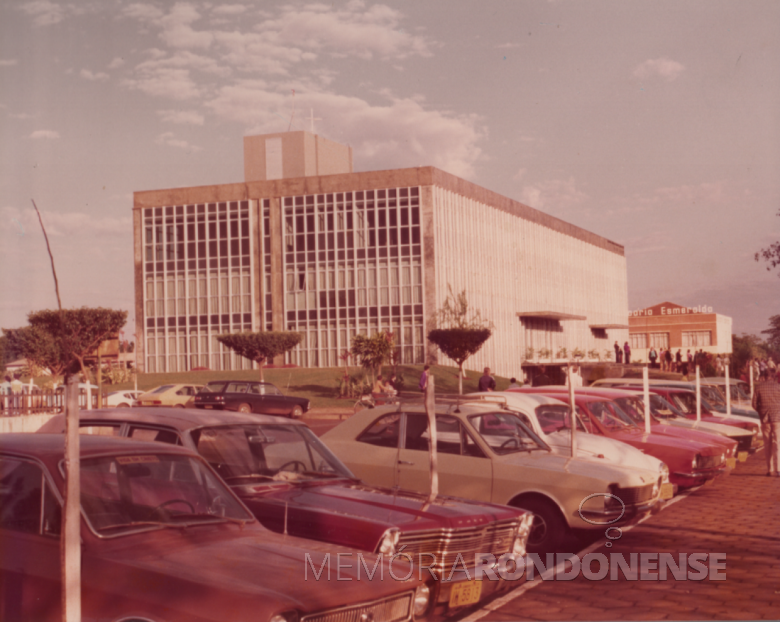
(164, 540)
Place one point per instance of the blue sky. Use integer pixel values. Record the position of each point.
(655, 124)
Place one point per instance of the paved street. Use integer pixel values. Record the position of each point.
(739, 515)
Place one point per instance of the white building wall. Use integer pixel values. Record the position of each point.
(723, 330)
(508, 265)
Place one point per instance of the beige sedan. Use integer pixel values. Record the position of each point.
(487, 453)
(179, 395)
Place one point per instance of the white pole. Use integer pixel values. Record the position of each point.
(646, 388)
(750, 366)
(698, 395)
(430, 408)
(71, 518)
(728, 393)
(573, 416)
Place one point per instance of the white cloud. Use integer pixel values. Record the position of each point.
(182, 117)
(93, 77)
(663, 67)
(166, 82)
(10, 62)
(143, 12)
(21, 115)
(59, 224)
(553, 194)
(177, 31)
(229, 9)
(44, 13)
(44, 134)
(168, 139)
(116, 63)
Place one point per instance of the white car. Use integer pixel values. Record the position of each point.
(121, 399)
(555, 429)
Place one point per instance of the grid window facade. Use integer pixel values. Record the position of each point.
(659, 340)
(638, 341)
(696, 338)
(352, 264)
(197, 274)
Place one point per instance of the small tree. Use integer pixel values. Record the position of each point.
(372, 352)
(259, 347)
(460, 331)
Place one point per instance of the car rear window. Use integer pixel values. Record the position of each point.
(163, 388)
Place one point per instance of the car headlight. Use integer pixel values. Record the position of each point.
(422, 597)
(664, 470)
(695, 461)
(523, 531)
(389, 542)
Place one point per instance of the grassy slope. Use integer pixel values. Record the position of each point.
(320, 385)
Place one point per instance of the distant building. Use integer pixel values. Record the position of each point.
(685, 328)
(306, 244)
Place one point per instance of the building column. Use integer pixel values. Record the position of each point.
(428, 267)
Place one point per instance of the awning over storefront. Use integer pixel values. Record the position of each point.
(550, 315)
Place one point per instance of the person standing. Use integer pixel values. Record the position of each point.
(487, 383)
(677, 359)
(627, 350)
(424, 378)
(653, 356)
(542, 380)
(513, 384)
(618, 353)
(576, 379)
(766, 400)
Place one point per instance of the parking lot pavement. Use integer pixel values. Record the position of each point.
(738, 515)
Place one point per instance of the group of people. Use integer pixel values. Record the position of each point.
(760, 366)
(766, 401)
(619, 352)
(12, 384)
(666, 360)
(386, 388)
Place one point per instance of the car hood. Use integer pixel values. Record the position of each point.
(607, 472)
(381, 506)
(668, 442)
(590, 447)
(707, 426)
(261, 566)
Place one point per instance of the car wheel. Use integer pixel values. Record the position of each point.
(244, 408)
(296, 413)
(548, 528)
(179, 406)
(122, 405)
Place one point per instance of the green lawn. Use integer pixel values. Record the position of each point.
(320, 385)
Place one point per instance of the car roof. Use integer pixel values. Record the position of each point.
(52, 446)
(179, 418)
(516, 398)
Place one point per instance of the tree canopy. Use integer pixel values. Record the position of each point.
(372, 352)
(259, 347)
(770, 254)
(461, 331)
(61, 340)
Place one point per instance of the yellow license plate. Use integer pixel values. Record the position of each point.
(465, 593)
(667, 491)
(742, 455)
(731, 463)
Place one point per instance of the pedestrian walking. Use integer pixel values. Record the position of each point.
(766, 401)
(486, 382)
(627, 350)
(424, 378)
(653, 356)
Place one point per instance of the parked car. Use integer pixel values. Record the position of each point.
(163, 539)
(294, 484)
(178, 395)
(485, 452)
(690, 463)
(631, 405)
(121, 399)
(550, 418)
(250, 397)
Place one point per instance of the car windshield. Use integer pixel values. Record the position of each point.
(505, 433)
(120, 494)
(713, 395)
(557, 417)
(634, 407)
(610, 415)
(661, 408)
(213, 387)
(162, 389)
(270, 452)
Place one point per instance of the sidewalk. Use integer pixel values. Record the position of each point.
(738, 515)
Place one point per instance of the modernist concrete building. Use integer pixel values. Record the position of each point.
(306, 244)
(668, 325)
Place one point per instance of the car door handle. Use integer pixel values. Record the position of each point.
(406, 462)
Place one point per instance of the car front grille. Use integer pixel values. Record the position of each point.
(439, 548)
(394, 609)
(635, 495)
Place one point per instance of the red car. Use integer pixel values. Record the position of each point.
(632, 405)
(163, 539)
(690, 463)
(293, 484)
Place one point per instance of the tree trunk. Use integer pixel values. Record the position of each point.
(70, 544)
(460, 378)
(261, 363)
